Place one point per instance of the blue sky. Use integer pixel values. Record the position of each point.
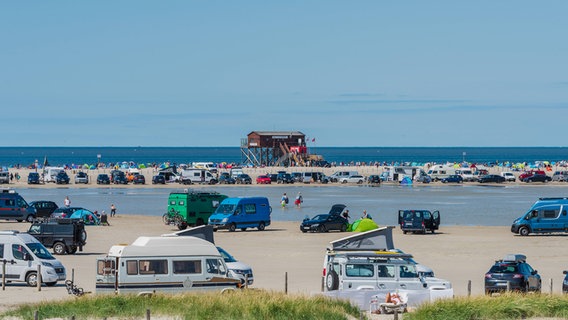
(347, 73)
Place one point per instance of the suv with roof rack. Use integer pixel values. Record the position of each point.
(512, 273)
(63, 235)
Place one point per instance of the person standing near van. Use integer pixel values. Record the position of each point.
(67, 202)
(112, 210)
(299, 200)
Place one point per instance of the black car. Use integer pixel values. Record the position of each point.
(491, 178)
(284, 177)
(139, 179)
(62, 178)
(64, 212)
(33, 178)
(453, 178)
(158, 179)
(374, 179)
(273, 177)
(326, 222)
(225, 178)
(63, 235)
(243, 178)
(537, 178)
(118, 177)
(418, 221)
(512, 272)
(103, 178)
(297, 176)
(44, 208)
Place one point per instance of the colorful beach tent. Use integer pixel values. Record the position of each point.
(362, 225)
(406, 181)
(87, 216)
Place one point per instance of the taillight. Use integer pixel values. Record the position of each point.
(324, 272)
(488, 276)
(517, 276)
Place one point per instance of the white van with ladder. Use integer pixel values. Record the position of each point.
(49, 173)
(194, 175)
(167, 264)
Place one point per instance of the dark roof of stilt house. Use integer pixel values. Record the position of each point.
(277, 133)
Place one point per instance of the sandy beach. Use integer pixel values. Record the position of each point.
(459, 254)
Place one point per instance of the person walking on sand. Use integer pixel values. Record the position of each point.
(365, 215)
(67, 202)
(299, 200)
(112, 210)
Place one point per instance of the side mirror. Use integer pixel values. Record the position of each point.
(27, 257)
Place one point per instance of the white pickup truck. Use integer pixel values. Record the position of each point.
(509, 176)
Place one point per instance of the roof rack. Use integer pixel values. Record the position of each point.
(515, 257)
(9, 232)
(554, 198)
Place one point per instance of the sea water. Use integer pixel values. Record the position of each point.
(458, 204)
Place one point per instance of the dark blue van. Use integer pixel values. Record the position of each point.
(418, 221)
(241, 213)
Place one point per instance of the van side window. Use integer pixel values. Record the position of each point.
(408, 271)
(215, 266)
(10, 202)
(1, 251)
(250, 208)
(131, 267)
(386, 271)
(153, 266)
(187, 266)
(105, 267)
(550, 214)
(359, 270)
(18, 251)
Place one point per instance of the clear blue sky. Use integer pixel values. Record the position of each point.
(347, 73)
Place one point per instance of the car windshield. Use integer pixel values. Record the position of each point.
(226, 208)
(504, 268)
(40, 251)
(226, 256)
(321, 217)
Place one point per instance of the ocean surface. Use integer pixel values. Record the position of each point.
(27, 156)
(467, 205)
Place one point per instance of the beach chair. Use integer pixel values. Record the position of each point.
(394, 303)
(104, 220)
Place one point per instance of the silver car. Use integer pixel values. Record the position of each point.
(81, 177)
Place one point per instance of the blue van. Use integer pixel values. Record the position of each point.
(545, 216)
(242, 213)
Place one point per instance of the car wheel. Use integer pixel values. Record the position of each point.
(31, 279)
(261, 226)
(243, 229)
(182, 226)
(30, 218)
(343, 228)
(344, 181)
(321, 228)
(232, 227)
(332, 281)
(524, 231)
(59, 248)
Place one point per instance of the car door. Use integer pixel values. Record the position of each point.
(533, 278)
(547, 219)
(435, 224)
(386, 277)
(22, 258)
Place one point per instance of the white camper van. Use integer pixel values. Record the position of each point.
(166, 264)
(193, 175)
(27, 253)
(439, 172)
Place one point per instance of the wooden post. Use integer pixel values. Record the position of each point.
(39, 277)
(551, 287)
(395, 314)
(508, 286)
(286, 282)
(322, 283)
(4, 275)
(147, 314)
(36, 315)
(246, 281)
(469, 288)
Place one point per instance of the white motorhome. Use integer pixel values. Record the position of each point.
(49, 173)
(166, 264)
(397, 173)
(438, 172)
(194, 175)
(27, 253)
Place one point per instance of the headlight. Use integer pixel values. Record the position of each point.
(47, 264)
(225, 220)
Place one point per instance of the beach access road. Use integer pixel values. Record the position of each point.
(455, 253)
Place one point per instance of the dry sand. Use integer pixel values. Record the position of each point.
(459, 254)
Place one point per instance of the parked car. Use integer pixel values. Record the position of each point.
(418, 221)
(263, 179)
(513, 270)
(527, 174)
(353, 179)
(491, 178)
(537, 178)
(297, 176)
(118, 177)
(44, 208)
(284, 177)
(374, 179)
(326, 222)
(34, 178)
(560, 176)
(103, 178)
(81, 177)
(139, 179)
(62, 178)
(64, 212)
(225, 178)
(237, 269)
(63, 235)
(158, 179)
(273, 177)
(509, 176)
(243, 178)
(453, 178)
